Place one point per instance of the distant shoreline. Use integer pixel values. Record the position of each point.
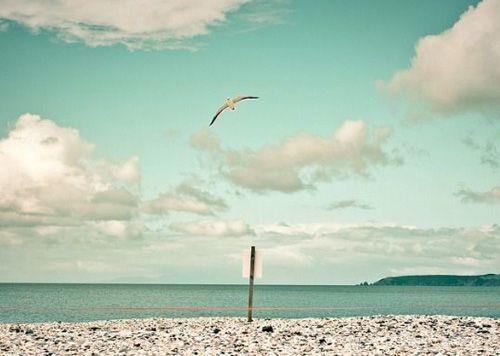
(484, 280)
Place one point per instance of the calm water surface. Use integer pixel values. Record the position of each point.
(83, 302)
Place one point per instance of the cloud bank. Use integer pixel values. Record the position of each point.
(301, 161)
(457, 70)
(135, 24)
(400, 249)
(209, 251)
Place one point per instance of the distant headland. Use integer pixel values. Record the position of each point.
(487, 280)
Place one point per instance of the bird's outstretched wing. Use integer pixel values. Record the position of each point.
(221, 109)
(243, 97)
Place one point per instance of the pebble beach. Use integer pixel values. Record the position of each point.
(380, 335)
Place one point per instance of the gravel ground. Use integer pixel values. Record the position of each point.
(380, 335)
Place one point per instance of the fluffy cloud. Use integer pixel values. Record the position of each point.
(48, 176)
(345, 204)
(186, 198)
(300, 161)
(491, 196)
(213, 228)
(135, 24)
(458, 69)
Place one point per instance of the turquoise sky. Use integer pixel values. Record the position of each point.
(314, 66)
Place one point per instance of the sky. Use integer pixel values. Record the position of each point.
(372, 151)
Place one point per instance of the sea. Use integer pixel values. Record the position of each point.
(27, 303)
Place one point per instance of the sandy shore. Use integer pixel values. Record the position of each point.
(384, 335)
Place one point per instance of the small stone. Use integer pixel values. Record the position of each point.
(267, 329)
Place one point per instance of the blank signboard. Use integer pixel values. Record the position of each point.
(246, 264)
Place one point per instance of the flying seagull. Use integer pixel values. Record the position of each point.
(231, 104)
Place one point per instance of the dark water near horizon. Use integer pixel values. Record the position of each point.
(85, 302)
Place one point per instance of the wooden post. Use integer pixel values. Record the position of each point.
(250, 283)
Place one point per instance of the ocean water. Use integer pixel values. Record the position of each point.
(84, 302)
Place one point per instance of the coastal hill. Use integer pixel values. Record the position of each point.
(441, 280)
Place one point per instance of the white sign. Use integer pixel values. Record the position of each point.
(246, 264)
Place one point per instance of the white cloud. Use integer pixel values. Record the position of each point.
(215, 228)
(457, 70)
(491, 196)
(49, 177)
(135, 24)
(112, 227)
(300, 161)
(311, 229)
(187, 198)
(119, 228)
(128, 171)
